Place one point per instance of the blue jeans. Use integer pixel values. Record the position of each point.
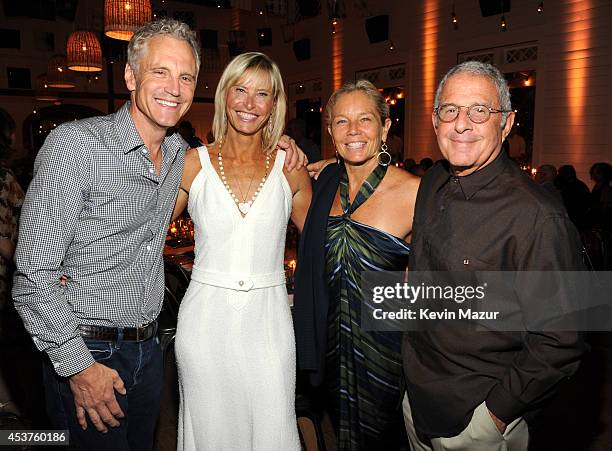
(140, 367)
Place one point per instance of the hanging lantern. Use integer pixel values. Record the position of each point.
(83, 52)
(123, 17)
(43, 92)
(58, 75)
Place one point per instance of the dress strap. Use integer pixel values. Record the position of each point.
(279, 161)
(365, 191)
(202, 174)
(204, 157)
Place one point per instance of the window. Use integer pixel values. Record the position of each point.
(44, 41)
(19, 77)
(10, 39)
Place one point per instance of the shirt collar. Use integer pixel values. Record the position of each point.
(131, 139)
(126, 129)
(471, 184)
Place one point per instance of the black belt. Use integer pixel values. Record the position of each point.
(136, 334)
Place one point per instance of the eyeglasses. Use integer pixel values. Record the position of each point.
(478, 114)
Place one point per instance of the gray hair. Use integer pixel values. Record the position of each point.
(365, 87)
(164, 27)
(483, 70)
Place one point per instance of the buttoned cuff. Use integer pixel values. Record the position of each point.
(503, 405)
(71, 357)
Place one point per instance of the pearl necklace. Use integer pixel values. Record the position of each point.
(244, 206)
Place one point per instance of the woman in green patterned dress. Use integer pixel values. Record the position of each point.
(360, 220)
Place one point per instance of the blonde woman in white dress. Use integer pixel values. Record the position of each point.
(235, 348)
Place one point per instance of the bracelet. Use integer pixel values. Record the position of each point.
(184, 190)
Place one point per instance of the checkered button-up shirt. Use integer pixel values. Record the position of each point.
(97, 213)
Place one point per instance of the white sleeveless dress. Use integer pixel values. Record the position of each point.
(235, 347)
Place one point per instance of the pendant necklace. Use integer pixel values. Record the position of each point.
(243, 204)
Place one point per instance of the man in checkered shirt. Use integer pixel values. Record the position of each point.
(97, 213)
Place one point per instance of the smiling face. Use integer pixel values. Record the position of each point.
(162, 88)
(249, 103)
(468, 146)
(356, 129)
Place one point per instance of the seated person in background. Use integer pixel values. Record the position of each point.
(426, 163)
(545, 175)
(395, 146)
(598, 236)
(20, 164)
(601, 196)
(11, 199)
(575, 195)
(417, 170)
(516, 146)
(409, 163)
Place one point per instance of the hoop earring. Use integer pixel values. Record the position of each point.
(384, 157)
(337, 157)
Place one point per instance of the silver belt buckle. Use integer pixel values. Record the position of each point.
(141, 332)
(138, 333)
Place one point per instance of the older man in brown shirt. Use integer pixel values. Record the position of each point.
(476, 390)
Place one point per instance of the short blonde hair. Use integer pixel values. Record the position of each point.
(367, 88)
(235, 70)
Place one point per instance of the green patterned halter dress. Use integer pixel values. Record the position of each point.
(363, 368)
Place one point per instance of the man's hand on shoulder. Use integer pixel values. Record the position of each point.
(295, 158)
(315, 169)
(94, 393)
